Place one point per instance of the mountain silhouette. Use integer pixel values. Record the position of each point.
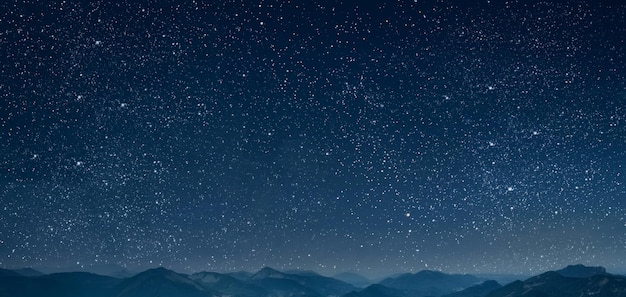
(306, 283)
(267, 272)
(581, 271)
(227, 285)
(572, 281)
(354, 279)
(378, 290)
(477, 290)
(240, 275)
(554, 284)
(161, 282)
(7, 272)
(431, 283)
(28, 272)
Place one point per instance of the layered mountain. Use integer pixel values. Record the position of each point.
(354, 279)
(228, 285)
(8, 272)
(240, 275)
(308, 284)
(575, 282)
(28, 272)
(581, 271)
(431, 283)
(479, 290)
(378, 290)
(161, 282)
(501, 278)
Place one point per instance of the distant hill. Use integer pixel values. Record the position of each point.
(503, 279)
(581, 271)
(28, 272)
(477, 290)
(240, 275)
(267, 272)
(302, 272)
(354, 279)
(554, 284)
(161, 282)
(121, 274)
(378, 290)
(227, 285)
(272, 279)
(431, 283)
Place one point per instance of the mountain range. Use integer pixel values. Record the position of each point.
(576, 280)
(431, 283)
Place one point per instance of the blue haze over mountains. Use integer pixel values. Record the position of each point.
(576, 280)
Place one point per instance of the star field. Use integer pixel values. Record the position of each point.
(328, 136)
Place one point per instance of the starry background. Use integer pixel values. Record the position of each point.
(463, 136)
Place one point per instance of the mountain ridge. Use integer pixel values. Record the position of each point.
(431, 283)
(554, 284)
(573, 280)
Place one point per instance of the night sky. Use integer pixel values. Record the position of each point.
(461, 136)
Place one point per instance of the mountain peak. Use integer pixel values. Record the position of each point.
(576, 280)
(268, 272)
(581, 271)
(161, 273)
(157, 270)
(430, 273)
(428, 282)
(159, 281)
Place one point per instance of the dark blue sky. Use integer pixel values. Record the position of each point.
(448, 135)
